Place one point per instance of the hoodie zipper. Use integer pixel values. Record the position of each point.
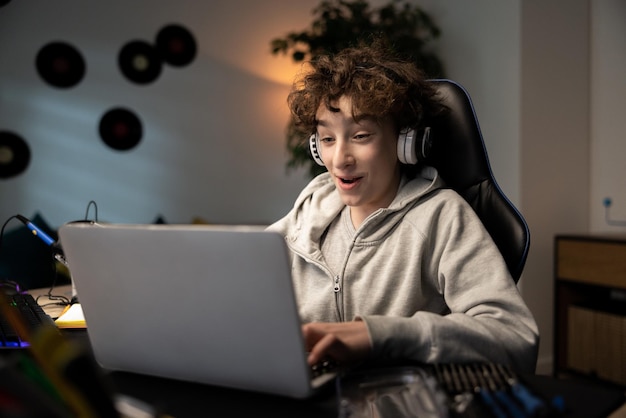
(336, 281)
(337, 286)
(338, 297)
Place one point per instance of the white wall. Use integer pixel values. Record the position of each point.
(480, 49)
(608, 114)
(213, 141)
(555, 142)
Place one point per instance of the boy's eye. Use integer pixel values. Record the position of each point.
(326, 139)
(361, 136)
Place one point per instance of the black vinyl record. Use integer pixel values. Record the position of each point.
(60, 64)
(120, 129)
(14, 154)
(176, 45)
(4, 2)
(140, 62)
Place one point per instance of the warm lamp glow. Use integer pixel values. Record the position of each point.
(281, 69)
(248, 45)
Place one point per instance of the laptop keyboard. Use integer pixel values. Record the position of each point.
(33, 316)
(323, 367)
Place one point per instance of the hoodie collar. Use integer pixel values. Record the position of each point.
(320, 204)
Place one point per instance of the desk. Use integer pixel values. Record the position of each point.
(50, 305)
(184, 399)
(583, 399)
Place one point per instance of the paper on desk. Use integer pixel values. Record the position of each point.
(72, 318)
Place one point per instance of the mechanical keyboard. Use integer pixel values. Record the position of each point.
(33, 316)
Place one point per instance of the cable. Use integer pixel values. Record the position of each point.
(607, 202)
(95, 206)
(15, 286)
(55, 252)
(2, 231)
(60, 299)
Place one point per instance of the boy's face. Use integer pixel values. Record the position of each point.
(361, 158)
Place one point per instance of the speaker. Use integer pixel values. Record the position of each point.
(413, 146)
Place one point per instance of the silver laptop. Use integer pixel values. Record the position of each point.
(208, 304)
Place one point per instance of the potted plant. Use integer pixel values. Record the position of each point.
(339, 24)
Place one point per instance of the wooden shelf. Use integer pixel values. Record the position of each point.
(590, 306)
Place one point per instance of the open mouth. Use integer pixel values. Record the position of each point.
(350, 180)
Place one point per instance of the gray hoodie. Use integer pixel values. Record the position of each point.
(423, 274)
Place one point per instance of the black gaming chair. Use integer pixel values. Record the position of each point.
(459, 154)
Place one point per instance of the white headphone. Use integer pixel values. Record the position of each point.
(410, 149)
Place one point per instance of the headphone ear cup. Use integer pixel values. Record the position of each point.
(406, 147)
(426, 144)
(414, 146)
(314, 147)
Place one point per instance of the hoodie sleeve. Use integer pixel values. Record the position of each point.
(488, 320)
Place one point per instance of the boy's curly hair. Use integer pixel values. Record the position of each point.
(379, 84)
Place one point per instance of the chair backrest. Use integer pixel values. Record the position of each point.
(459, 154)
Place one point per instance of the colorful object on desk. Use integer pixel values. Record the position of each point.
(60, 368)
(39, 233)
(532, 404)
(72, 317)
(24, 305)
(490, 390)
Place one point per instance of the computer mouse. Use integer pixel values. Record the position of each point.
(9, 288)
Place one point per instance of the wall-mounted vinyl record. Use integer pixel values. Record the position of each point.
(139, 62)
(14, 154)
(176, 45)
(4, 2)
(120, 129)
(60, 64)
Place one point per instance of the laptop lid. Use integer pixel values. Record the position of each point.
(208, 304)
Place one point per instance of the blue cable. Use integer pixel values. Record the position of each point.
(492, 404)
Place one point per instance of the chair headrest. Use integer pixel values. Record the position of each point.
(460, 156)
(458, 149)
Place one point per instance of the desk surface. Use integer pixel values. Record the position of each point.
(583, 398)
(184, 399)
(48, 298)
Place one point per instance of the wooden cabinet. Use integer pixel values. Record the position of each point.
(590, 306)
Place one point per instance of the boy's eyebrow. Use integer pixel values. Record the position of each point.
(321, 122)
(364, 116)
(357, 119)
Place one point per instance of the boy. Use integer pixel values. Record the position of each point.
(389, 265)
